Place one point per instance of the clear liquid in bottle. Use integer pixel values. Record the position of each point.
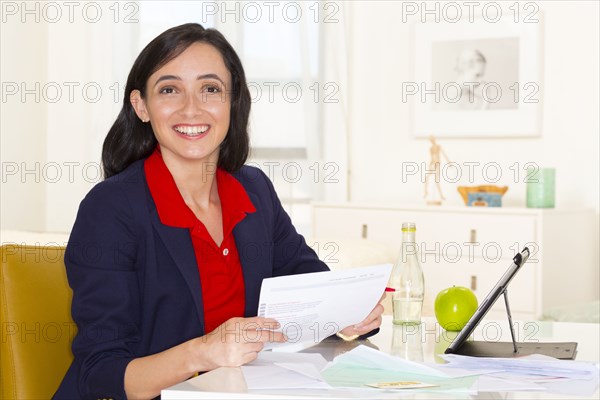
(407, 281)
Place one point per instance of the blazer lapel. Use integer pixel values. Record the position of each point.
(181, 249)
(255, 249)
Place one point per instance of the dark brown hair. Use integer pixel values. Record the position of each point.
(129, 139)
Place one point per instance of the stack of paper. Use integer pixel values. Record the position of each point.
(547, 373)
(362, 367)
(528, 365)
(365, 367)
(371, 370)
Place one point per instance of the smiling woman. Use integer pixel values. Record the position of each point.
(183, 232)
(187, 103)
(159, 76)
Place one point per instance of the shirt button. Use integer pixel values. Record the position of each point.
(225, 252)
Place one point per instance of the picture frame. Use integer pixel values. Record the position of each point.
(477, 79)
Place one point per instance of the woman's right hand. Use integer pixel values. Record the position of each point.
(235, 342)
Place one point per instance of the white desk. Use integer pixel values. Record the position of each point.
(416, 343)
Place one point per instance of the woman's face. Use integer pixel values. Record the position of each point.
(188, 104)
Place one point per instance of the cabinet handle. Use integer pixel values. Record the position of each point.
(364, 231)
(473, 235)
(473, 282)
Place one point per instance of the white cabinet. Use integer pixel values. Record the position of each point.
(472, 247)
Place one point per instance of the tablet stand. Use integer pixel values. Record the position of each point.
(510, 323)
(564, 350)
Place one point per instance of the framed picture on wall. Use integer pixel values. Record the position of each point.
(476, 79)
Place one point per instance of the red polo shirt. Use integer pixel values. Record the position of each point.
(219, 266)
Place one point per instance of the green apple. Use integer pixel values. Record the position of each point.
(454, 307)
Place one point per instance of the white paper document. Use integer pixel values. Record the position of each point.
(364, 366)
(533, 372)
(272, 358)
(487, 383)
(534, 364)
(286, 376)
(276, 370)
(311, 307)
(375, 359)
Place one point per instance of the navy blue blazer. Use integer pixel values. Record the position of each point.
(135, 281)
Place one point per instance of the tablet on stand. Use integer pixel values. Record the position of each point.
(460, 345)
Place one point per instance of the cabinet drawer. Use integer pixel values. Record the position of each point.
(378, 225)
(490, 237)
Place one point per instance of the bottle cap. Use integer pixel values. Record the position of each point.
(409, 227)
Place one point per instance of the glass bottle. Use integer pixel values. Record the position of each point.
(407, 280)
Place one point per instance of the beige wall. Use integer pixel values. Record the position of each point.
(70, 67)
(22, 126)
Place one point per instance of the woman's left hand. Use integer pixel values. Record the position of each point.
(372, 321)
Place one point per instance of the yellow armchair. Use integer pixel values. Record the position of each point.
(35, 321)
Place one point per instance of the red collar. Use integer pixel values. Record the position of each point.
(171, 207)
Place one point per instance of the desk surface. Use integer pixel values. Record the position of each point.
(417, 343)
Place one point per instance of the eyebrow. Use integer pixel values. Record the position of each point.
(199, 77)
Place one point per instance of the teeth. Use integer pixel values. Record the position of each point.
(192, 130)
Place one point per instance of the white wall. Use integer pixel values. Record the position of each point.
(59, 134)
(381, 137)
(76, 130)
(22, 126)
